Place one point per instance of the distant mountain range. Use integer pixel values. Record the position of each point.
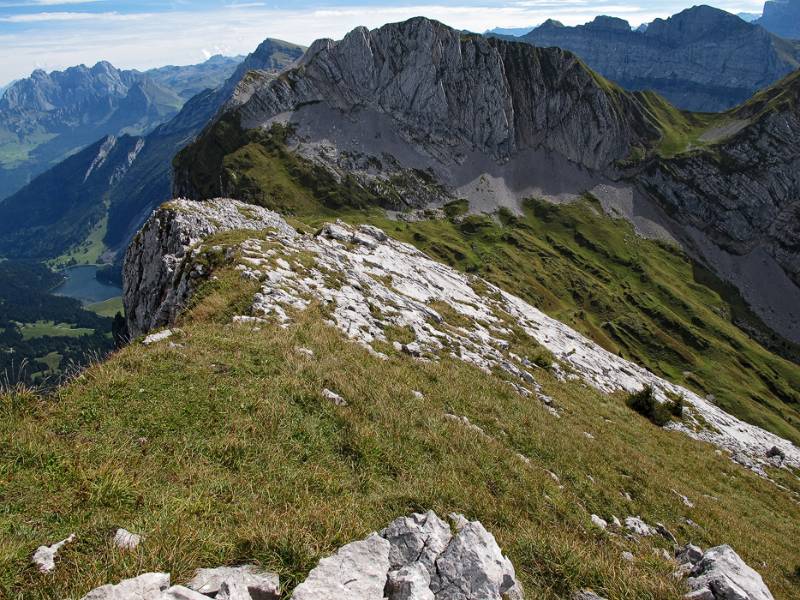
(702, 59)
(512, 31)
(48, 116)
(110, 187)
(782, 17)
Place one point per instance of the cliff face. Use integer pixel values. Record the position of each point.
(445, 92)
(782, 17)
(702, 59)
(744, 191)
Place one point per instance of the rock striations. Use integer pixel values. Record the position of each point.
(369, 282)
(448, 94)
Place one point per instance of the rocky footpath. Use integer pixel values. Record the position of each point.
(695, 58)
(369, 284)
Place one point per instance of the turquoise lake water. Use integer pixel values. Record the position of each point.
(82, 285)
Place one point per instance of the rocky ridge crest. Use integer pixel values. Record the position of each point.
(694, 58)
(369, 282)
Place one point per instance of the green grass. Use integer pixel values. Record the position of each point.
(681, 130)
(88, 251)
(107, 308)
(49, 328)
(14, 153)
(52, 361)
(223, 451)
(641, 299)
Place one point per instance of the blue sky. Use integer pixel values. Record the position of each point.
(53, 34)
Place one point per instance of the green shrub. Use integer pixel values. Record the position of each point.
(645, 403)
(675, 404)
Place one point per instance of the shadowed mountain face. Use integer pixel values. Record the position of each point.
(48, 116)
(135, 177)
(702, 59)
(782, 17)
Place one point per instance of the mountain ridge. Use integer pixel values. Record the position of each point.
(695, 59)
(47, 116)
(513, 122)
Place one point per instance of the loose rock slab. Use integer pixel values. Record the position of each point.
(722, 575)
(45, 556)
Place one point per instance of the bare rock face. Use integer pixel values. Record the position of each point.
(760, 164)
(357, 571)
(447, 93)
(416, 558)
(154, 286)
(721, 574)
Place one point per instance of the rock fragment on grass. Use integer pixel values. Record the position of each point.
(586, 595)
(638, 527)
(334, 397)
(125, 540)
(159, 336)
(45, 556)
(721, 574)
(599, 522)
(149, 586)
(261, 584)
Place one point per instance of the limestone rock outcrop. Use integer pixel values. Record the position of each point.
(414, 558)
(417, 558)
(156, 283)
(721, 574)
(382, 283)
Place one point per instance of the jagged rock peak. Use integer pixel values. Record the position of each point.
(446, 90)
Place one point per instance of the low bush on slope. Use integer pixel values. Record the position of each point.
(219, 447)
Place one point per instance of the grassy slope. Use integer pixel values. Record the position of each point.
(107, 308)
(49, 328)
(224, 451)
(641, 299)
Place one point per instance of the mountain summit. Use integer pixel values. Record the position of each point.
(416, 114)
(701, 59)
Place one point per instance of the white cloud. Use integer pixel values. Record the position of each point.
(44, 17)
(60, 39)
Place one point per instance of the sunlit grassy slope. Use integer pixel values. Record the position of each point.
(221, 449)
(639, 298)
